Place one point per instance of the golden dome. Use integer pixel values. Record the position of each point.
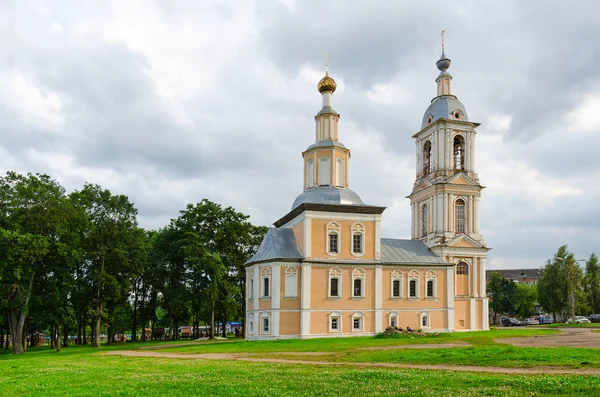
(326, 84)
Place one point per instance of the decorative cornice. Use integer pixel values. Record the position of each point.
(350, 209)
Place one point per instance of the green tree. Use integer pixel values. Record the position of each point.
(592, 283)
(502, 295)
(33, 241)
(525, 300)
(113, 245)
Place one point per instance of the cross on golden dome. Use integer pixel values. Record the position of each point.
(327, 84)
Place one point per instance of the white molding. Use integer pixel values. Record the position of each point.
(472, 315)
(275, 299)
(450, 297)
(485, 315)
(333, 273)
(339, 316)
(337, 309)
(378, 298)
(307, 236)
(305, 301)
(341, 216)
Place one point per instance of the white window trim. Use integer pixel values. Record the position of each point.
(265, 273)
(339, 172)
(431, 276)
(421, 316)
(390, 317)
(322, 161)
(310, 174)
(424, 217)
(250, 291)
(338, 315)
(333, 228)
(360, 316)
(414, 275)
(359, 274)
(396, 276)
(466, 211)
(334, 272)
(291, 271)
(264, 316)
(358, 229)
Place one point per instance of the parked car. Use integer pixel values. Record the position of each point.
(594, 318)
(579, 320)
(530, 321)
(510, 322)
(545, 319)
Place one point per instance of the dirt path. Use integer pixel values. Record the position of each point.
(569, 337)
(435, 367)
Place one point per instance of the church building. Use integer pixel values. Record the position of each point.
(324, 270)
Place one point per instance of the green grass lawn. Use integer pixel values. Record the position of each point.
(82, 371)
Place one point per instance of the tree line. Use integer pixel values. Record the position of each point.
(553, 291)
(79, 261)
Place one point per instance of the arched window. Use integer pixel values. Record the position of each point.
(335, 322)
(393, 319)
(413, 284)
(358, 283)
(431, 287)
(333, 238)
(335, 282)
(459, 153)
(424, 220)
(266, 278)
(462, 268)
(396, 286)
(339, 176)
(310, 173)
(427, 158)
(324, 171)
(358, 239)
(459, 216)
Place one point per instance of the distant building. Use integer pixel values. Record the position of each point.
(521, 276)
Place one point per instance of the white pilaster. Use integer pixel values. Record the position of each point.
(275, 298)
(482, 271)
(305, 301)
(450, 297)
(475, 279)
(377, 238)
(472, 319)
(378, 298)
(485, 314)
(307, 236)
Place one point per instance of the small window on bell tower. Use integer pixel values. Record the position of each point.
(459, 153)
(427, 158)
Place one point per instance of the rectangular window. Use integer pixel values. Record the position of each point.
(251, 292)
(430, 293)
(335, 323)
(357, 287)
(413, 288)
(393, 321)
(357, 243)
(335, 282)
(265, 325)
(266, 287)
(425, 321)
(396, 288)
(333, 243)
(357, 323)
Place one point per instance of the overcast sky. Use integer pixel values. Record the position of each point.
(170, 102)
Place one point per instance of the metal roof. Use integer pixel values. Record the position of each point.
(326, 142)
(277, 244)
(407, 251)
(515, 274)
(442, 107)
(328, 195)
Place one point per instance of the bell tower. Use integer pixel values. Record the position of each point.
(446, 195)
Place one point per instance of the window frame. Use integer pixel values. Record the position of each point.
(338, 316)
(339, 173)
(361, 322)
(460, 221)
(462, 265)
(424, 316)
(414, 276)
(396, 276)
(358, 274)
(424, 220)
(458, 152)
(393, 317)
(265, 277)
(358, 229)
(431, 277)
(335, 273)
(265, 317)
(427, 157)
(322, 161)
(333, 228)
(310, 174)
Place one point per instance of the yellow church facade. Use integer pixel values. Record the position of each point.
(324, 270)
